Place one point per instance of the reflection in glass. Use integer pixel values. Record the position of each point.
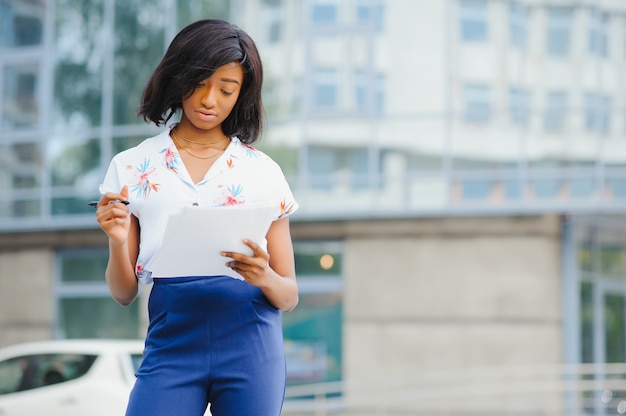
(79, 42)
(190, 11)
(586, 319)
(21, 22)
(20, 166)
(83, 266)
(615, 328)
(139, 45)
(75, 163)
(106, 318)
(19, 104)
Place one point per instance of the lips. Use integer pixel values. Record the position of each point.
(206, 115)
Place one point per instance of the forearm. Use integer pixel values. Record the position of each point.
(120, 274)
(282, 292)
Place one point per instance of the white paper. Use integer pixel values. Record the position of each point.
(195, 237)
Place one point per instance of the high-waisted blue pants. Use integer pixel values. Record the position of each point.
(210, 340)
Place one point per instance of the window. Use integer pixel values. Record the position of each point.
(325, 89)
(313, 331)
(477, 104)
(21, 23)
(324, 12)
(598, 38)
(518, 25)
(332, 167)
(559, 30)
(273, 20)
(362, 85)
(555, 112)
(81, 291)
(474, 20)
(35, 371)
(19, 103)
(597, 113)
(519, 105)
(369, 13)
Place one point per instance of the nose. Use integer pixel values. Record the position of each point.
(208, 97)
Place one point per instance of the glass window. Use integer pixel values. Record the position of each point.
(326, 89)
(190, 11)
(519, 106)
(324, 12)
(556, 111)
(518, 25)
(598, 38)
(139, 46)
(76, 164)
(273, 20)
(78, 67)
(20, 101)
(82, 291)
(21, 166)
(360, 90)
(559, 31)
(597, 113)
(477, 104)
(313, 331)
(369, 13)
(615, 328)
(362, 87)
(474, 22)
(586, 320)
(21, 23)
(331, 167)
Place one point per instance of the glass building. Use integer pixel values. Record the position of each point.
(377, 109)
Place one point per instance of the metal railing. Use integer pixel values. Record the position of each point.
(559, 390)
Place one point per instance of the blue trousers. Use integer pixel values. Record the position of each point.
(210, 340)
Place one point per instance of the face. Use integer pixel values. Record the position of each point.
(214, 98)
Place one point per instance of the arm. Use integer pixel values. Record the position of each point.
(273, 272)
(122, 229)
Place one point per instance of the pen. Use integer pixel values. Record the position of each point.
(95, 203)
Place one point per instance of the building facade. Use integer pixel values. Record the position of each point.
(460, 165)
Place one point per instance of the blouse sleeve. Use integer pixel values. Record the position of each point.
(282, 193)
(112, 181)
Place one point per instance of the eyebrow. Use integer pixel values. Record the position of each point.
(230, 80)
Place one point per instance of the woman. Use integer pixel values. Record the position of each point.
(211, 339)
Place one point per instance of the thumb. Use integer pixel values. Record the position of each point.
(124, 191)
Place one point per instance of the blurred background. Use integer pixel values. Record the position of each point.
(461, 171)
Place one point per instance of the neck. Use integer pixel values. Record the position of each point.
(199, 141)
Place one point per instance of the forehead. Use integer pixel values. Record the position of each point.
(230, 71)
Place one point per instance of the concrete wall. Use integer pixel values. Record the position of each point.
(26, 301)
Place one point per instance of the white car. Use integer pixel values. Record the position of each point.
(68, 377)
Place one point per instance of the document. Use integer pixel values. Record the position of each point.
(195, 237)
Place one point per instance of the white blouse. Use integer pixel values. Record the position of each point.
(159, 185)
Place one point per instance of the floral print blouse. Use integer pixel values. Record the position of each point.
(159, 185)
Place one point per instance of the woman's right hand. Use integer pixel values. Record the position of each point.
(114, 217)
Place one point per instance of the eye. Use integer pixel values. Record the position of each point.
(227, 92)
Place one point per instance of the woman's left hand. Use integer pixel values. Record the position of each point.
(255, 269)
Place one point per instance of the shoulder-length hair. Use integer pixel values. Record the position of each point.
(194, 54)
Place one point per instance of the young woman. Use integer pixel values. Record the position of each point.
(212, 339)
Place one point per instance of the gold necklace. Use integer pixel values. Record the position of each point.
(180, 136)
(178, 145)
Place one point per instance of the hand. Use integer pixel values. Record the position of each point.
(255, 268)
(113, 217)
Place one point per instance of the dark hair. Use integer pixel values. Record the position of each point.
(194, 54)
